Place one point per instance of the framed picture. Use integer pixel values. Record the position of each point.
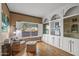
(5, 23)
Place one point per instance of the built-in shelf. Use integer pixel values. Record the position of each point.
(71, 26)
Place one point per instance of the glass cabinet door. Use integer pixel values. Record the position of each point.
(55, 27)
(52, 28)
(45, 28)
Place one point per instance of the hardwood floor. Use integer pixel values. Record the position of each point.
(43, 49)
(48, 50)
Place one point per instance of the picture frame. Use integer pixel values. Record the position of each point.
(5, 23)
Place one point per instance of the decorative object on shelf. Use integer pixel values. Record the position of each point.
(74, 28)
(54, 17)
(45, 28)
(74, 20)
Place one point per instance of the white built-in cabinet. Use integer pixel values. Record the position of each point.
(52, 40)
(55, 33)
(76, 47)
(45, 38)
(52, 37)
(57, 41)
(68, 44)
(71, 45)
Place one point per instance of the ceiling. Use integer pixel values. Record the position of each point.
(35, 9)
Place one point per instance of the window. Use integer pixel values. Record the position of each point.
(28, 29)
(34, 30)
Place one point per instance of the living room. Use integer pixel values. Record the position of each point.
(39, 29)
